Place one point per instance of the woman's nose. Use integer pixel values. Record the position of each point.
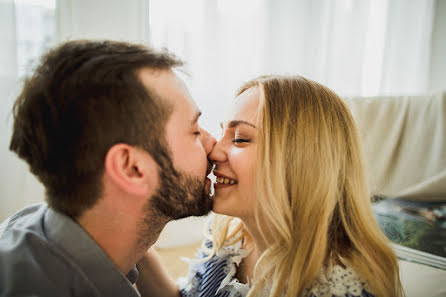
(218, 153)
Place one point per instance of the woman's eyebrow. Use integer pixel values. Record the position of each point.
(233, 124)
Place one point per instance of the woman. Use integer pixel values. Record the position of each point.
(290, 180)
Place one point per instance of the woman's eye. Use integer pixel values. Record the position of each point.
(197, 133)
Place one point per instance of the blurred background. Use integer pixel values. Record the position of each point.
(355, 47)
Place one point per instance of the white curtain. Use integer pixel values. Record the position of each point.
(222, 42)
(18, 186)
(8, 75)
(28, 28)
(368, 47)
(102, 19)
(355, 47)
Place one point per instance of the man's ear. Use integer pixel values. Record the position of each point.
(131, 169)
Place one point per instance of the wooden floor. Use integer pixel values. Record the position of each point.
(171, 259)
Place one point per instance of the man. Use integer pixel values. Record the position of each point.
(112, 133)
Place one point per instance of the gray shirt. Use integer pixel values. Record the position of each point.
(45, 253)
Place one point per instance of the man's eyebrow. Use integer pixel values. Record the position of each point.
(233, 124)
(197, 116)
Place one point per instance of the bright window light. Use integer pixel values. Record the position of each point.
(35, 31)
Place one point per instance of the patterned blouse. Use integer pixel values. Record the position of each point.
(216, 278)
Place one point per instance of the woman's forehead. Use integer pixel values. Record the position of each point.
(245, 106)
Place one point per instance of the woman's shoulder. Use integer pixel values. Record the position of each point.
(338, 281)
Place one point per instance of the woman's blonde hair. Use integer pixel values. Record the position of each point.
(311, 193)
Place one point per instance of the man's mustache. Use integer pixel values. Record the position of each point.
(209, 168)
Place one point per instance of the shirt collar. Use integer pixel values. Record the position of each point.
(88, 256)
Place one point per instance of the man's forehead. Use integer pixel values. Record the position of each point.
(159, 80)
(167, 85)
(164, 82)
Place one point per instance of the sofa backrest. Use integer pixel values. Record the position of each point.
(404, 141)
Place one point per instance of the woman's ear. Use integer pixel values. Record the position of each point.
(131, 169)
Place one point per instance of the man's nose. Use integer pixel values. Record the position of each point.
(208, 141)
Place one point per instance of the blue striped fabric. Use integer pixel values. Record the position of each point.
(206, 277)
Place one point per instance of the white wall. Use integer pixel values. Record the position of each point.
(438, 58)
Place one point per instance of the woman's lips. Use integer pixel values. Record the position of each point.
(223, 181)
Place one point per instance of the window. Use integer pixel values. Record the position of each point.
(35, 31)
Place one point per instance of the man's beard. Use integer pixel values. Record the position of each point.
(179, 195)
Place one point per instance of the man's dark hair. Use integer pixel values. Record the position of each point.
(83, 98)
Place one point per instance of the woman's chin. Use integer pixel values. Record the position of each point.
(220, 210)
(223, 205)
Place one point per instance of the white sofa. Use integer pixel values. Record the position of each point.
(404, 140)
